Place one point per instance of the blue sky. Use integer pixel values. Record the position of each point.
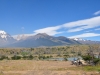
(70, 18)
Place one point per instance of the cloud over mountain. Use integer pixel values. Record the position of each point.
(70, 27)
(85, 35)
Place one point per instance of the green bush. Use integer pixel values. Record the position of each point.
(44, 57)
(3, 57)
(65, 59)
(16, 57)
(30, 57)
(25, 57)
(96, 60)
(87, 57)
(41, 57)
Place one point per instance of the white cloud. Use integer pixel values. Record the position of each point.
(85, 35)
(85, 24)
(89, 31)
(49, 30)
(97, 13)
(71, 26)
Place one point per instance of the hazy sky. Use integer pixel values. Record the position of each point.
(70, 18)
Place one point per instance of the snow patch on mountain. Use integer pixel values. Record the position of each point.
(22, 36)
(5, 38)
(78, 39)
(2, 32)
(4, 35)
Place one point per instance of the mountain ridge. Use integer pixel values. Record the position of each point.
(40, 39)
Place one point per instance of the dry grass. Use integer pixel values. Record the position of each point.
(22, 65)
(32, 67)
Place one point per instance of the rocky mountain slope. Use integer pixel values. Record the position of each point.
(41, 39)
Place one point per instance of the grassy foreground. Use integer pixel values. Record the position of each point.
(33, 67)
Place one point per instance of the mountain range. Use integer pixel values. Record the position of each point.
(38, 40)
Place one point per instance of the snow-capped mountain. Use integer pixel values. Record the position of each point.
(20, 37)
(4, 35)
(85, 41)
(78, 39)
(5, 38)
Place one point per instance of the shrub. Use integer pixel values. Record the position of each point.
(3, 57)
(65, 59)
(16, 57)
(96, 60)
(25, 57)
(30, 57)
(87, 57)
